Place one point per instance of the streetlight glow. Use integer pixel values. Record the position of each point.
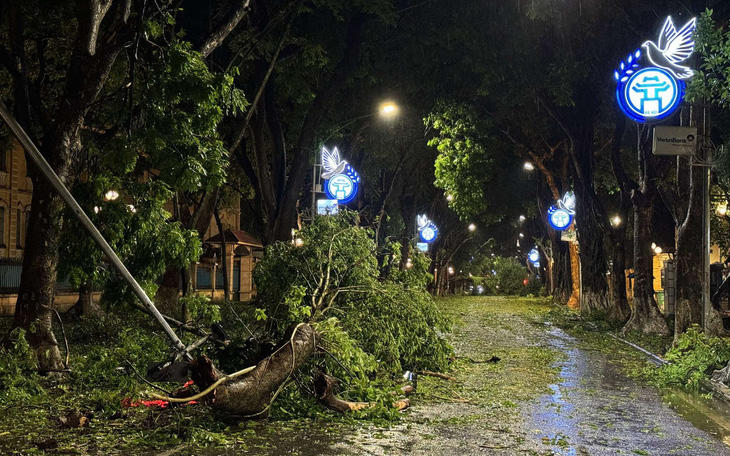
(522, 218)
(721, 210)
(449, 197)
(616, 220)
(528, 166)
(111, 195)
(388, 109)
(472, 227)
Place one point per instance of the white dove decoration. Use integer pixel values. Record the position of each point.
(331, 163)
(568, 203)
(427, 230)
(673, 48)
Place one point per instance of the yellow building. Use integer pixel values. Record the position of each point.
(16, 191)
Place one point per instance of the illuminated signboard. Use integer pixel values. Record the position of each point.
(341, 180)
(427, 230)
(422, 246)
(561, 215)
(327, 207)
(653, 91)
(533, 256)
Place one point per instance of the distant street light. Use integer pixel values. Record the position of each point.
(528, 166)
(616, 221)
(521, 235)
(472, 227)
(449, 197)
(522, 218)
(111, 195)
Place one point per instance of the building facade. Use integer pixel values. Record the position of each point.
(16, 191)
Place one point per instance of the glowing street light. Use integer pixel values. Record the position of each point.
(721, 210)
(521, 235)
(616, 221)
(472, 227)
(111, 195)
(451, 270)
(528, 166)
(522, 218)
(388, 109)
(449, 197)
(298, 242)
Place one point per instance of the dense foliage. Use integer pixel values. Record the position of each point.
(329, 276)
(693, 358)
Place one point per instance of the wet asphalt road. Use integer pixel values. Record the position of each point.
(591, 408)
(597, 410)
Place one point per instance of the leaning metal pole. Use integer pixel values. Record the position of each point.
(63, 192)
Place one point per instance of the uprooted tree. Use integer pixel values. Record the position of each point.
(328, 310)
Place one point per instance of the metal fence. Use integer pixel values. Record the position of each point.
(11, 270)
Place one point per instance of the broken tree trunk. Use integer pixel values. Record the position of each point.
(251, 396)
(325, 386)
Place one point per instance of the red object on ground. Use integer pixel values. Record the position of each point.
(127, 401)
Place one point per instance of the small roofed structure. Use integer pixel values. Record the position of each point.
(242, 252)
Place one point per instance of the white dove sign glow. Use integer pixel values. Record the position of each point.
(650, 82)
(427, 230)
(341, 180)
(561, 215)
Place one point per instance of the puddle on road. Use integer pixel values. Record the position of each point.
(596, 408)
(710, 415)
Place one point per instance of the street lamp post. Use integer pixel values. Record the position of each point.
(386, 110)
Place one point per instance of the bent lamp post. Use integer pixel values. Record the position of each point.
(560, 216)
(651, 83)
(341, 180)
(63, 192)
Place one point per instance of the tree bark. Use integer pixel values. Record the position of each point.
(645, 315)
(250, 396)
(86, 305)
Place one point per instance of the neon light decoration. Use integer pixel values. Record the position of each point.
(341, 180)
(654, 92)
(561, 215)
(533, 256)
(427, 230)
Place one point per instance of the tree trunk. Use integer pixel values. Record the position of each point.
(85, 305)
(688, 303)
(645, 315)
(251, 395)
(595, 294)
(620, 310)
(38, 279)
(224, 254)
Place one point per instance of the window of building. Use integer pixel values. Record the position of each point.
(27, 223)
(18, 227)
(3, 159)
(2, 226)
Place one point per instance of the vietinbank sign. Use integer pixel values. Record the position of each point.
(651, 82)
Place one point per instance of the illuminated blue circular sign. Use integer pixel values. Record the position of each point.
(533, 256)
(428, 233)
(343, 186)
(559, 218)
(650, 94)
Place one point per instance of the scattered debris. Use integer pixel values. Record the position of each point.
(75, 419)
